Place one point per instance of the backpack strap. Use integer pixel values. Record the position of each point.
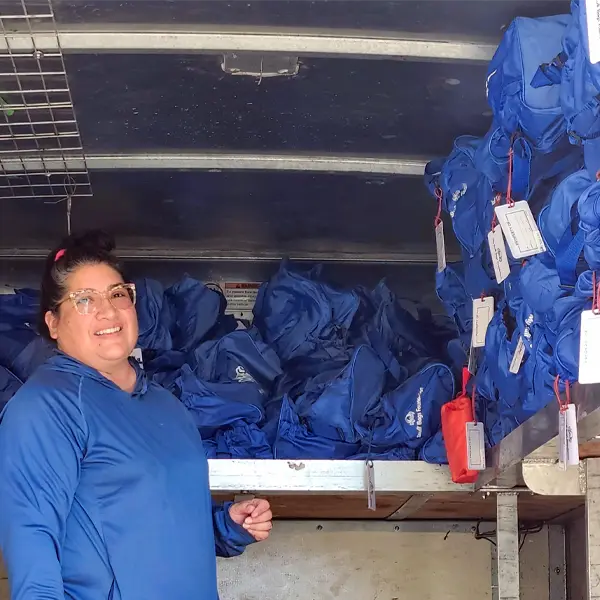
(396, 370)
(550, 73)
(568, 252)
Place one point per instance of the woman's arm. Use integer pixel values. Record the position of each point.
(231, 539)
(240, 524)
(42, 436)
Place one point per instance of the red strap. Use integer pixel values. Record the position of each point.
(509, 199)
(562, 404)
(440, 196)
(595, 295)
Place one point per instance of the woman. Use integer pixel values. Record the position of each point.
(103, 478)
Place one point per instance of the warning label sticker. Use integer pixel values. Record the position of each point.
(241, 296)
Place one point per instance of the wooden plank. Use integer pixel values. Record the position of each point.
(451, 507)
(589, 450)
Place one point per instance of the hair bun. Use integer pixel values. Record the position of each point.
(94, 240)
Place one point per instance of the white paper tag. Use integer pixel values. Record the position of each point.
(137, 354)
(370, 477)
(520, 229)
(440, 245)
(568, 439)
(483, 311)
(589, 348)
(592, 14)
(498, 254)
(517, 359)
(475, 447)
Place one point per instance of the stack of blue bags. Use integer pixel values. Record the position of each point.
(325, 373)
(321, 373)
(545, 97)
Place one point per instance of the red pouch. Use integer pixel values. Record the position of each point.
(455, 416)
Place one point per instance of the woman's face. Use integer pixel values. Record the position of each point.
(104, 338)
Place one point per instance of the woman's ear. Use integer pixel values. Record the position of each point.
(52, 324)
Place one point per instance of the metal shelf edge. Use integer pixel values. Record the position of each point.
(328, 476)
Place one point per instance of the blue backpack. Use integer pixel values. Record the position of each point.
(519, 106)
(463, 186)
(558, 222)
(579, 86)
(589, 215)
(299, 316)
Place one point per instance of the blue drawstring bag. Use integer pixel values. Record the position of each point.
(411, 414)
(19, 310)
(333, 407)
(9, 385)
(196, 311)
(237, 358)
(241, 440)
(217, 405)
(22, 351)
(301, 317)
(154, 316)
(516, 103)
(294, 440)
(434, 450)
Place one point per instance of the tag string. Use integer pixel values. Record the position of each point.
(497, 201)
(562, 404)
(473, 404)
(511, 154)
(595, 295)
(440, 196)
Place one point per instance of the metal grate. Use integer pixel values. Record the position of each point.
(41, 155)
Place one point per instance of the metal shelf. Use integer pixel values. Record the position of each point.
(37, 121)
(328, 476)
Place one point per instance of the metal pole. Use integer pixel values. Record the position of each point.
(507, 536)
(557, 563)
(592, 527)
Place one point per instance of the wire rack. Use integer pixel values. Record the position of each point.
(41, 154)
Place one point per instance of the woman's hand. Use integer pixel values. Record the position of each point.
(254, 516)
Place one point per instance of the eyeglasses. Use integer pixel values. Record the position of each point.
(88, 302)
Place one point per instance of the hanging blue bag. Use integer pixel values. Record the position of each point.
(517, 105)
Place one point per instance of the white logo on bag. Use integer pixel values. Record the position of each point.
(415, 417)
(457, 195)
(242, 376)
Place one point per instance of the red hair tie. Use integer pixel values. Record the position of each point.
(59, 255)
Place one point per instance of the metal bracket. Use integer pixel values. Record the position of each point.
(260, 65)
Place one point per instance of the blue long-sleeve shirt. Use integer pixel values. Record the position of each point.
(105, 494)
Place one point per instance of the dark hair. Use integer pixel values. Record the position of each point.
(90, 248)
